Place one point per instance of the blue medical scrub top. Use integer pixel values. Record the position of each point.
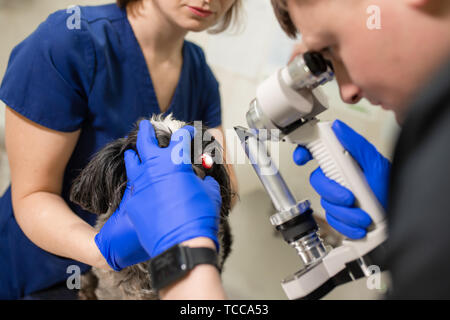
(96, 79)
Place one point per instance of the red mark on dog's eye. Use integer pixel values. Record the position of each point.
(207, 161)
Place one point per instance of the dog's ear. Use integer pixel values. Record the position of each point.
(101, 184)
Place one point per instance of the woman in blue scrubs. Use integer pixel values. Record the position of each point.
(71, 90)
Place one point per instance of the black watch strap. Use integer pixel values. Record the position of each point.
(176, 262)
(196, 256)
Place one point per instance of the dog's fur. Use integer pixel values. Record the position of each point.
(99, 189)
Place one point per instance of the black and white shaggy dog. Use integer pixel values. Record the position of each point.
(99, 189)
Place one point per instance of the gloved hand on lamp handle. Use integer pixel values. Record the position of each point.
(169, 204)
(337, 200)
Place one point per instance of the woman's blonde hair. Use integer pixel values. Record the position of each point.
(231, 16)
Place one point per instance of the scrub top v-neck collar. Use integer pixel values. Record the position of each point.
(144, 81)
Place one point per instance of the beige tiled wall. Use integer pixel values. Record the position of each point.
(260, 258)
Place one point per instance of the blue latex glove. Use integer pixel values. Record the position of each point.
(117, 240)
(169, 203)
(337, 200)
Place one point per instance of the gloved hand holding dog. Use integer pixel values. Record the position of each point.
(338, 201)
(164, 203)
(169, 204)
(117, 240)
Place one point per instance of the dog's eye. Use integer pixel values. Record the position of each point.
(207, 161)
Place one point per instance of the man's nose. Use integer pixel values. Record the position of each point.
(350, 92)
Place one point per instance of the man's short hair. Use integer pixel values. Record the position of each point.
(282, 14)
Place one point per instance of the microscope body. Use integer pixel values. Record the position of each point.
(289, 101)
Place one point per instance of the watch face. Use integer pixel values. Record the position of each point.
(168, 267)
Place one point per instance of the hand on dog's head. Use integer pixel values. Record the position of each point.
(100, 186)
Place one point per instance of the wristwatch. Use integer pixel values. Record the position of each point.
(174, 263)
